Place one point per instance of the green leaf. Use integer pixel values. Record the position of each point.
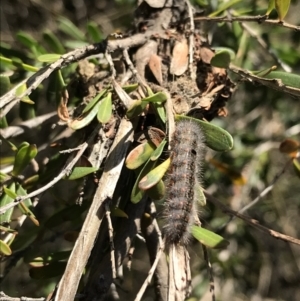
(23, 156)
(69, 28)
(157, 97)
(282, 7)
(228, 50)
(156, 154)
(105, 109)
(159, 107)
(8, 230)
(223, 7)
(118, 212)
(49, 271)
(4, 84)
(271, 6)
(11, 192)
(19, 64)
(139, 155)
(296, 165)
(136, 109)
(49, 57)
(155, 175)
(4, 248)
(80, 172)
(215, 137)
(198, 194)
(221, 59)
(53, 42)
(85, 119)
(130, 88)
(91, 104)
(94, 32)
(26, 204)
(7, 198)
(137, 193)
(157, 192)
(289, 79)
(208, 238)
(20, 90)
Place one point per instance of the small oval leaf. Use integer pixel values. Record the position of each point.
(221, 59)
(216, 138)
(118, 212)
(282, 7)
(4, 248)
(154, 176)
(91, 104)
(157, 192)
(209, 238)
(156, 154)
(80, 172)
(105, 109)
(86, 119)
(49, 57)
(157, 97)
(139, 155)
(23, 156)
(289, 79)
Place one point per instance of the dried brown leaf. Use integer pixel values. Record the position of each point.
(155, 67)
(180, 58)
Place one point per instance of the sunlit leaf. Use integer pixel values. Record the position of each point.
(156, 154)
(139, 155)
(23, 156)
(80, 172)
(198, 194)
(137, 193)
(136, 109)
(105, 109)
(20, 90)
(49, 57)
(6, 198)
(215, 137)
(18, 64)
(209, 238)
(4, 248)
(154, 176)
(85, 119)
(130, 88)
(282, 7)
(296, 165)
(94, 101)
(221, 59)
(8, 230)
(157, 192)
(159, 107)
(157, 97)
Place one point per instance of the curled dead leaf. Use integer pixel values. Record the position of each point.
(62, 110)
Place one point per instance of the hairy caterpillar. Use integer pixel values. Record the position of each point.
(187, 155)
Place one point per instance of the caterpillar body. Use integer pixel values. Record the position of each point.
(187, 155)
